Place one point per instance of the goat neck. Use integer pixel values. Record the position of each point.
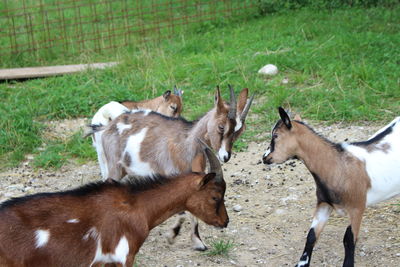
(162, 205)
(199, 131)
(318, 154)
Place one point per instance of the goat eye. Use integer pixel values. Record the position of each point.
(274, 136)
(221, 128)
(172, 107)
(215, 199)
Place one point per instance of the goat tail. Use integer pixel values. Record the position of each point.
(93, 128)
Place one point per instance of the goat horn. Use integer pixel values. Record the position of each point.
(215, 166)
(232, 108)
(177, 91)
(246, 108)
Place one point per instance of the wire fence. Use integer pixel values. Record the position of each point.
(38, 28)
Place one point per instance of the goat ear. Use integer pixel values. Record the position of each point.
(167, 94)
(242, 100)
(297, 117)
(285, 118)
(218, 101)
(206, 179)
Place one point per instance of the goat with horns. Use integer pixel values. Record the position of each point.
(145, 143)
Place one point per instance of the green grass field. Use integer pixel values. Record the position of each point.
(342, 65)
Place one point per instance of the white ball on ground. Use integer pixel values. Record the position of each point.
(269, 69)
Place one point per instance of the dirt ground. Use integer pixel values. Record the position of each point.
(277, 206)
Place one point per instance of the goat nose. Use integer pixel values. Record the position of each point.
(267, 161)
(226, 223)
(227, 157)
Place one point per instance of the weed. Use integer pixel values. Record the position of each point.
(220, 248)
(51, 157)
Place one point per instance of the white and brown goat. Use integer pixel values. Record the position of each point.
(348, 176)
(145, 143)
(104, 222)
(167, 104)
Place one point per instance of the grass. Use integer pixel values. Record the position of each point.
(220, 248)
(341, 65)
(57, 152)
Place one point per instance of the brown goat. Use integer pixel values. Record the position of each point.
(348, 176)
(167, 104)
(104, 222)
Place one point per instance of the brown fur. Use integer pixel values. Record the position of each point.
(167, 104)
(341, 172)
(114, 210)
(341, 179)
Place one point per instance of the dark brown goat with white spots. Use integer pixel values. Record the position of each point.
(104, 222)
(348, 176)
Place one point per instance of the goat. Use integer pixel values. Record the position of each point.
(145, 143)
(104, 222)
(168, 104)
(348, 176)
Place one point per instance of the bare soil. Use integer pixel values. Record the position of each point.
(277, 206)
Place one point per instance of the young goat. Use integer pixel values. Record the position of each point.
(168, 104)
(348, 176)
(104, 222)
(144, 143)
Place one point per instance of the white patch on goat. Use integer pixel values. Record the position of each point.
(303, 263)
(197, 244)
(146, 111)
(101, 157)
(383, 167)
(109, 112)
(91, 233)
(122, 127)
(42, 237)
(119, 256)
(239, 124)
(133, 146)
(267, 152)
(321, 216)
(73, 221)
(222, 153)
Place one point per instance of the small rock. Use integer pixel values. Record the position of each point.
(269, 70)
(237, 208)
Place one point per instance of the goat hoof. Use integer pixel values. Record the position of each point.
(203, 248)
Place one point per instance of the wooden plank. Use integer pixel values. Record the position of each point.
(37, 72)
